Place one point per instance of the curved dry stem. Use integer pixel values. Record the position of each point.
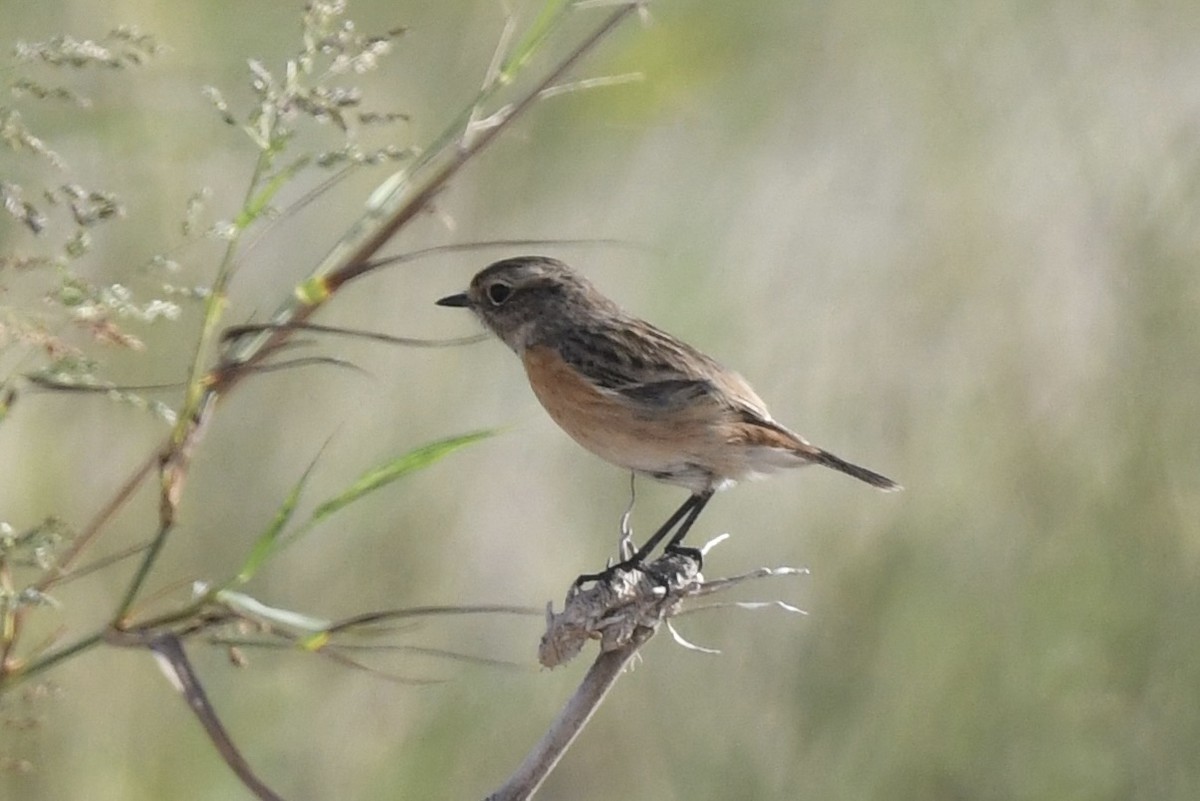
(178, 669)
(578, 711)
(623, 612)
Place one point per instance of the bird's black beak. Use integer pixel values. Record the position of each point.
(460, 300)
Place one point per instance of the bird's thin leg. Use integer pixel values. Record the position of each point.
(674, 546)
(687, 512)
(694, 507)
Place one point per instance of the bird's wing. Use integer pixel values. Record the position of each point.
(654, 372)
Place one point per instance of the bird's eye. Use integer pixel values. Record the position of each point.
(498, 293)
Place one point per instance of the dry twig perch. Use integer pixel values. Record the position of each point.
(622, 613)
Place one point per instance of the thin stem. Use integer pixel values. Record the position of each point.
(143, 572)
(169, 649)
(96, 524)
(50, 660)
(213, 310)
(600, 678)
(52, 577)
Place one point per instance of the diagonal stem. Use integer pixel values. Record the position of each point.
(600, 678)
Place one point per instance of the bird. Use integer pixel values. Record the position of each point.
(634, 395)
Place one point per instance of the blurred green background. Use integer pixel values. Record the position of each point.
(956, 243)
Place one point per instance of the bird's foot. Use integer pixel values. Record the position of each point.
(695, 554)
(660, 572)
(606, 575)
(665, 570)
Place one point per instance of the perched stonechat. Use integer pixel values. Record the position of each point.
(634, 395)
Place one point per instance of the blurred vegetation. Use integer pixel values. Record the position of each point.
(958, 245)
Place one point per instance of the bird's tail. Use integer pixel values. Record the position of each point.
(861, 473)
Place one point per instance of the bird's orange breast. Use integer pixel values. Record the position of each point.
(604, 423)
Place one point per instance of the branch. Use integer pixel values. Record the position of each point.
(614, 610)
(623, 612)
(583, 704)
(179, 671)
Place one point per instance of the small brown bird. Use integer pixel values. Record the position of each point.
(634, 395)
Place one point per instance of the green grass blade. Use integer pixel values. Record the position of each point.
(270, 540)
(261, 200)
(416, 459)
(552, 14)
